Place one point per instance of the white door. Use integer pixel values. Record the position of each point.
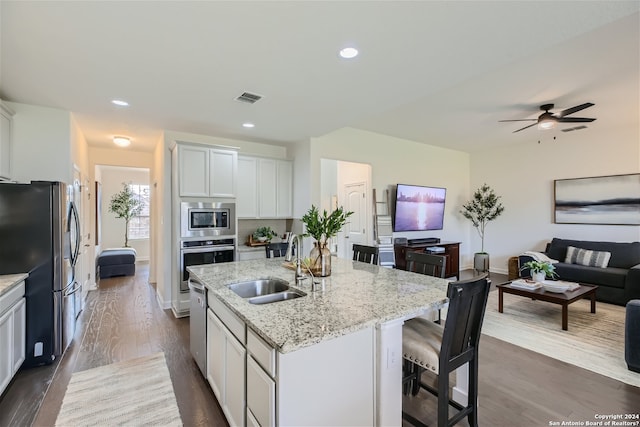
(355, 231)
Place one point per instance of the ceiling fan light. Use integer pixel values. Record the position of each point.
(121, 141)
(546, 124)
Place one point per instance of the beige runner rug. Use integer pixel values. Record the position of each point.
(135, 392)
(593, 341)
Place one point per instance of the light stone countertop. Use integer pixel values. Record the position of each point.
(355, 296)
(8, 281)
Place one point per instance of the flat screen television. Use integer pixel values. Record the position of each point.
(419, 208)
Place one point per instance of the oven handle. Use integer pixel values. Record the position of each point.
(207, 249)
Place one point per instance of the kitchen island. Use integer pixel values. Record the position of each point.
(330, 357)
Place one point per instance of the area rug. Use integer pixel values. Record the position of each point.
(136, 392)
(593, 341)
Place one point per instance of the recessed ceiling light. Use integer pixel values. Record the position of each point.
(349, 52)
(121, 141)
(120, 103)
(248, 125)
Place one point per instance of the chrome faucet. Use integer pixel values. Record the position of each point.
(289, 255)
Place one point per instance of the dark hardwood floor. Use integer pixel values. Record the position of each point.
(122, 320)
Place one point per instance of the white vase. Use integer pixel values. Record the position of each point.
(539, 276)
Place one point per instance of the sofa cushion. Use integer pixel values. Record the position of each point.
(614, 277)
(587, 257)
(623, 255)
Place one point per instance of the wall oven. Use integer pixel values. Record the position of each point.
(204, 219)
(198, 252)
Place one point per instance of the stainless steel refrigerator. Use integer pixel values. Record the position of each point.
(40, 234)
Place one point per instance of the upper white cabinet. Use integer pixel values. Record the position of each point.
(265, 188)
(207, 172)
(6, 118)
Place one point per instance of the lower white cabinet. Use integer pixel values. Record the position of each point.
(261, 394)
(12, 340)
(226, 369)
(329, 383)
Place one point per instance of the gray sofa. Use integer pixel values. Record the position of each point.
(618, 283)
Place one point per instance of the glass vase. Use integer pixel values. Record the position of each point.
(320, 259)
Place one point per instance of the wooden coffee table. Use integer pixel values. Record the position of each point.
(563, 299)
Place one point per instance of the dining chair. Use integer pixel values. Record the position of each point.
(439, 350)
(429, 264)
(363, 253)
(276, 250)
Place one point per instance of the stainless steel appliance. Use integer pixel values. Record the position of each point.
(198, 252)
(204, 219)
(198, 324)
(40, 235)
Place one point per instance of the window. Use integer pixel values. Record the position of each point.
(139, 225)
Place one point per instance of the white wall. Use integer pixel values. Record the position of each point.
(524, 176)
(113, 228)
(395, 160)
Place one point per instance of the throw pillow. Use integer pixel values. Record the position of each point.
(587, 257)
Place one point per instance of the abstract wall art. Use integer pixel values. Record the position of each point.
(612, 200)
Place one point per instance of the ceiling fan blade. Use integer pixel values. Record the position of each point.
(574, 109)
(575, 120)
(525, 127)
(519, 120)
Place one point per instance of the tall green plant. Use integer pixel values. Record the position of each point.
(484, 207)
(324, 226)
(125, 204)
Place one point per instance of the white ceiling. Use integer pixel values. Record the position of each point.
(441, 73)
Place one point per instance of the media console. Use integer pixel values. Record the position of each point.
(451, 252)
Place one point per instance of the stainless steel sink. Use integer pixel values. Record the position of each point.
(259, 287)
(279, 296)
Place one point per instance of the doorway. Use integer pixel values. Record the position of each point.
(348, 184)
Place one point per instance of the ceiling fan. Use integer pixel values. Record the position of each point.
(548, 120)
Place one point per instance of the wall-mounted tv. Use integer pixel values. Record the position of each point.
(419, 208)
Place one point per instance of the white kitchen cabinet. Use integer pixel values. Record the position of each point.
(226, 359)
(6, 121)
(215, 354)
(12, 333)
(261, 394)
(193, 171)
(264, 188)
(284, 183)
(223, 170)
(267, 187)
(206, 172)
(247, 200)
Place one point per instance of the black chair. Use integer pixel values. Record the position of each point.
(276, 250)
(427, 346)
(368, 254)
(423, 263)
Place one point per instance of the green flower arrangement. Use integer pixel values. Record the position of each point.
(540, 267)
(324, 226)
(264, 234)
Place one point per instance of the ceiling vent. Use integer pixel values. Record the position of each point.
(251, 98)
(574, 128)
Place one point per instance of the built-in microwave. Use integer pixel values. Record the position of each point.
(200, 219)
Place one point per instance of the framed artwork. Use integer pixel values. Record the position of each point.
(611, 200)
(98, 212)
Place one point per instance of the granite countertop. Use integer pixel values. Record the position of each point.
(8, 281)
(355, 296)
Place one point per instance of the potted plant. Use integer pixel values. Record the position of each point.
(322, 227)
(539, 270)
(125, 204)
(484, 207)
(264, 234)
